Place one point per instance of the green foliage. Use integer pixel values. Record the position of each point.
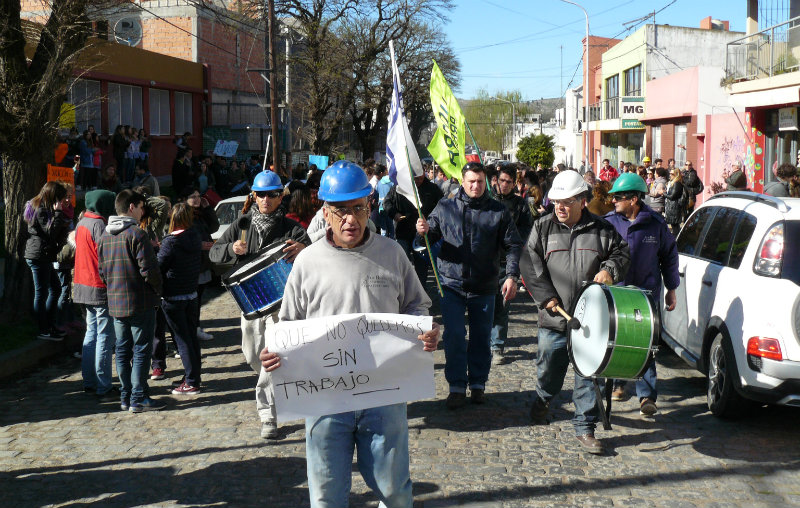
(538, 149)
(491, 119)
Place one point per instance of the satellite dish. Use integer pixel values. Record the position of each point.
(128, 31)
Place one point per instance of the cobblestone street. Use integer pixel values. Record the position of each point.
(59, 447)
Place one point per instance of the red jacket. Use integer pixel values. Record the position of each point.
(608, 174)
(89, 288)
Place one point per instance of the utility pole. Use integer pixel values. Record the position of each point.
(273, 84)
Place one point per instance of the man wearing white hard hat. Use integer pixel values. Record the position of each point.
(565, 249)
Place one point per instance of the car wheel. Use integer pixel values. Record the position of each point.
(723, 399)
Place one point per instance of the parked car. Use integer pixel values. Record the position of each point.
(228, 210)
(737, 317)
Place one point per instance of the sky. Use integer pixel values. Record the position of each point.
(506, 45)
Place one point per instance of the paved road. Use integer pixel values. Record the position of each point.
(58, 447)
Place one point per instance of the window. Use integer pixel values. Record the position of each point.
(692, 230)
(717, 241)
(656, 135)
(680, 145)
(612, 97)
(124, 105)
(633, 81)
(84, 95)
(183, 112)
(159, 112)
(742, 239)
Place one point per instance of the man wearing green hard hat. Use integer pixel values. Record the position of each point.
(653, 256)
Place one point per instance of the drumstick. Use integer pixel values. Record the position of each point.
(571, 321)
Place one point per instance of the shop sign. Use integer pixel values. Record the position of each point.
(632, 112)
(787, 119)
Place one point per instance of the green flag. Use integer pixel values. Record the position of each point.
(447, 145)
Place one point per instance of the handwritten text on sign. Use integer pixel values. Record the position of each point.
(349, 362)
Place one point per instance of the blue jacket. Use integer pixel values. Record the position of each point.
(653, 251)
(473, 231)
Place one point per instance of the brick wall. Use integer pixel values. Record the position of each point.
(226, 71)
(162, 37)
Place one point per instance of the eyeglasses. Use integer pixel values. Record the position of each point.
(269, 194)
(620, 197)
(359, 211)
(564, 202)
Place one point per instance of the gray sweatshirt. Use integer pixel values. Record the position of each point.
(373, 277)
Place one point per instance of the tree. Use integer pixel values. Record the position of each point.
(36, 67)
(491, 120)
(536, 149)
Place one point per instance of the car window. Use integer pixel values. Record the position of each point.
(717, 241)
(791, 243)
(747, 225)
(687, 238)
(226, 212)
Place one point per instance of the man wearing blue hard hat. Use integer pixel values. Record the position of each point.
(354, 270)
(653, 255)
(262, 225)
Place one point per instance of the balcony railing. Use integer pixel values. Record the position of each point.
(604, 110)
(772, 51)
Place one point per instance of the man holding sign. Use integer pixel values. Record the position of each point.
(354, 271)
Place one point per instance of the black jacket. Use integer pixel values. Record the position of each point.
(394, 203)
(473, 232)
(48, 233)
(222, 251)
(179, 259)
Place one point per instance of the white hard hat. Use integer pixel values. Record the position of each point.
(567, 184)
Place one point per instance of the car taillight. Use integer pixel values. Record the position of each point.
(770, 253)
(765, 347)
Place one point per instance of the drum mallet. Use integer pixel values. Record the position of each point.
(571, 321)
(244, 225)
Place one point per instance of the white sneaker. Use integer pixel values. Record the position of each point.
(203, 335)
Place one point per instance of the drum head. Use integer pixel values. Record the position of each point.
(589, 344)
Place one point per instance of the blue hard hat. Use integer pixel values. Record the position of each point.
(267, 181)
(343, 181)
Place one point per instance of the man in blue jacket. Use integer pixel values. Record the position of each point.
(653, 256)
(474, 228)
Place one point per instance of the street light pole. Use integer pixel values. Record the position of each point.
(585, 89)
(513, 120)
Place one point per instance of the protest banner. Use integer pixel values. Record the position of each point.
(320, 160)
(345, 363)
(62, 174)
(226, 148)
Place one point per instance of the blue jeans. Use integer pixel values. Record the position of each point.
(380, 437)
(386, 224)
(134, 347)
(64, 313)
(181, 317)
(551, 368)
(500, 322)
(645, 387)
(467, 363)
(98, 349)
(46, 290)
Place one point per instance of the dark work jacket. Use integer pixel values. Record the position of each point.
(558, 260)
(473, 232)
(179, 259)
(394, 203)
(653, 251)
(222, 251)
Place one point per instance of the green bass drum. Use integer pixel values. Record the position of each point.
(619, 331)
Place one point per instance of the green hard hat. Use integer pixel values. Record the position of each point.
(628, 182)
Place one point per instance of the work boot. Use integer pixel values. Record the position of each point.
(477, 396)
(539, 409)
(590, 444)
(456, 400)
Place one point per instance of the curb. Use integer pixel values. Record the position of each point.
(28, 357)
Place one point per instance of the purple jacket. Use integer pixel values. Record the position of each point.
(128, 266)
(653, 250)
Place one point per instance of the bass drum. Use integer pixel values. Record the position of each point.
(618, 334)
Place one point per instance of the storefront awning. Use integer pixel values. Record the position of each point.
(771, 97)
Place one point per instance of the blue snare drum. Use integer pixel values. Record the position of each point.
(257, 286)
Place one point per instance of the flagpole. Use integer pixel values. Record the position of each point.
(425, 236)
(475, 143)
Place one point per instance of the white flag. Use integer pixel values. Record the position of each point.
(398, 142)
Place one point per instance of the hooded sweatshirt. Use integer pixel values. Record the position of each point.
(88, 287)
(129, 268)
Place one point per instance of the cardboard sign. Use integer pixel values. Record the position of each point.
(320, 160)
(62, 174)
(226, 148)
(345, 363)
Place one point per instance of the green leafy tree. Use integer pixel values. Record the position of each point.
(491, 120)
(538, 149)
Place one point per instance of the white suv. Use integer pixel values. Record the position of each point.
(737, 317)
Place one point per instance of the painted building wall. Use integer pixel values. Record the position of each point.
(727, 141)
(674, 48)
